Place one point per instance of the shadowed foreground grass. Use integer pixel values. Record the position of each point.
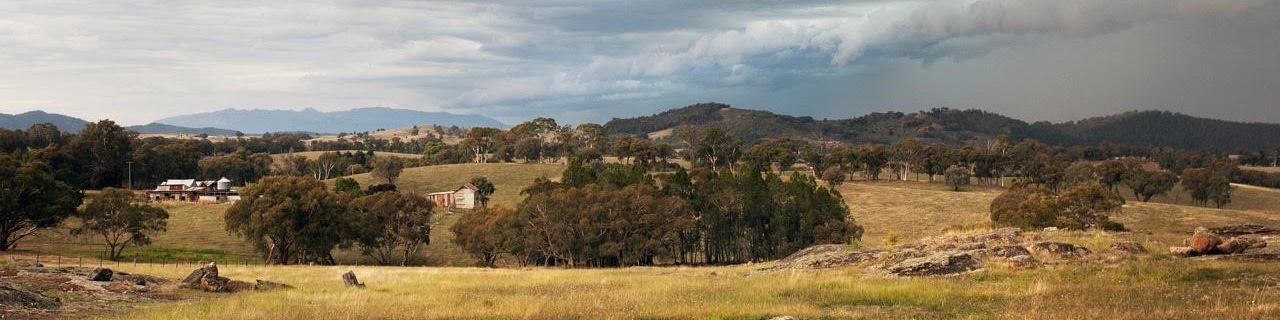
(1155, 287)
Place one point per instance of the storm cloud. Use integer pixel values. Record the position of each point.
(590, 61)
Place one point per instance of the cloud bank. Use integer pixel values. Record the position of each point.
(589, 61)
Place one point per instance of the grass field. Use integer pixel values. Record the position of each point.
(1143, 287)
(1154, 287)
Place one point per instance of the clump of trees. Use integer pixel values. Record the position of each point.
(956, 177)
(291, 219)
(121, 218)
(1083, 206)
(392, 225)
(1207, 186)
(31, 199)
(605, 215)
(298, 219)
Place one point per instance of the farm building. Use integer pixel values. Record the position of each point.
(462, 198)
(194, 190)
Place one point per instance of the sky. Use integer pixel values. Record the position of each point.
(593, 60)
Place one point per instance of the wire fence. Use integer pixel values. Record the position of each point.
(94, 254)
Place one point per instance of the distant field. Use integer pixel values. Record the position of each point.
(1263, 169)
(508, 178)
(312, 155)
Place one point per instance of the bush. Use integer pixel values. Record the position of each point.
(1084, 206)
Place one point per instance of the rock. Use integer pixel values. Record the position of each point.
(1129, 247)
(943, 263)
(1204, 241)
(100, 274)
(1050, 229)
(140, 281)
(196, 275)
(1023, 262)
(1180, 251)
(14, 295)
(783, 318)
(214, 283)
(350, 279)
(264, 285)
(1009, 251)
(1060, 250)
(1240, 244)
(1242, 229)
(206, 278)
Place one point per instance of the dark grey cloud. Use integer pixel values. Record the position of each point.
(593, 60)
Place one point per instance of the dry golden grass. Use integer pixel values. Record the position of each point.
(508, 178)
(1263, 169)
(1152, 287)
(913, 210)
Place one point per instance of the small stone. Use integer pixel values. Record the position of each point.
(349, 279)
(1051, 229)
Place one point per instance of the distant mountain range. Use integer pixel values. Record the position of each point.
(1142, 128)
(24, 120)
(311, 120)
(229, 121)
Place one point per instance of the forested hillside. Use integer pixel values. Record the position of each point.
(952, 126)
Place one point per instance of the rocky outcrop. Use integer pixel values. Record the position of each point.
(1207, 241)
(206, 278)
(938, 264)
(943, 255)
(1243, 229)
(17, 296)
(1060, 250)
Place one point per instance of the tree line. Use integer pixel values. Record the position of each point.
(608, 215)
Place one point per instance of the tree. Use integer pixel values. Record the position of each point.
(290, 219)
(1206, 185)
(387, 168)
(107, 146)
(392, 224)
(240, 165)
(956, 177)
(833, 175)
(480, 233)
(481, 141)
(31, 200)
(117, 216)
(1146, 184)
(347, 186)
(484, 189)
(1087, 205)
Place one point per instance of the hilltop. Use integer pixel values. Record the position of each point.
(71, 124)
(311, 120)
(952, 126)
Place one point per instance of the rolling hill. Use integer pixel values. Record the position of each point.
(1144, 128)
(311, 120)
(22, 121)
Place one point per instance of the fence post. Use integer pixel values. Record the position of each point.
(37, 260)
(81, 262)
